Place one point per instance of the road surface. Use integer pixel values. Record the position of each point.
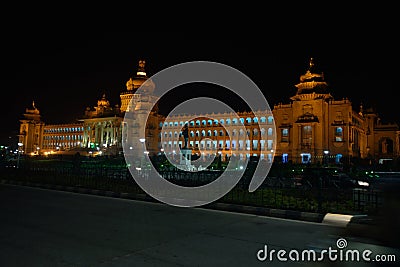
(41, 227)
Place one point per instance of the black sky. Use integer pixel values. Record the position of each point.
(66, 71)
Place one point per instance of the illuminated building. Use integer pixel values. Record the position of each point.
(61, 137)
(31, 130)
(312, 128)
(252, 134)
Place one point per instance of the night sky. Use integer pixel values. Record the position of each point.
(65, 71)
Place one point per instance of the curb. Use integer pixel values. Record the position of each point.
(263, 211)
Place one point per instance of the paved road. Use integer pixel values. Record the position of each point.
(42, 227)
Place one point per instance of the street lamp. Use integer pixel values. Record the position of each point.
(142, 158)
(326, 156)
(19, 152)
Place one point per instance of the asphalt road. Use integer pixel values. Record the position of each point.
(42, 227)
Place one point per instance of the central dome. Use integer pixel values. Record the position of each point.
(140, 77)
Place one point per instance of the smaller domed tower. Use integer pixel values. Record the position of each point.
(31, 131)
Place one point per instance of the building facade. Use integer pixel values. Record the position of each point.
(30, 138)
(313, 127)
(228, 134)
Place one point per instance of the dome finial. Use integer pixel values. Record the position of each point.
(311, 63)
(141, 70)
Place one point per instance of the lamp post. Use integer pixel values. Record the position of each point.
(19, 152)
(142, 140)
(326, 156)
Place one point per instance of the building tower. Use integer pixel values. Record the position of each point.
(131, 87)
(31, 131)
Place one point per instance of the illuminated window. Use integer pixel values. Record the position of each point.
(307, 135)
(338, 134)
(285, 158)
(285, 135)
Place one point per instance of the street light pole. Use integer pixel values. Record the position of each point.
(19, 153)
(142, 140)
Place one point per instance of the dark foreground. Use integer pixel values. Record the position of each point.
(51, 228)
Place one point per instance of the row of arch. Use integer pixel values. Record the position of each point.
(215, 122)
(234, 132)
(63, 130)
(63, 137)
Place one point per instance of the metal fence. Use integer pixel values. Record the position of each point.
(276, 191)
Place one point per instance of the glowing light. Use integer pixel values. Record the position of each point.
(362, 183)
